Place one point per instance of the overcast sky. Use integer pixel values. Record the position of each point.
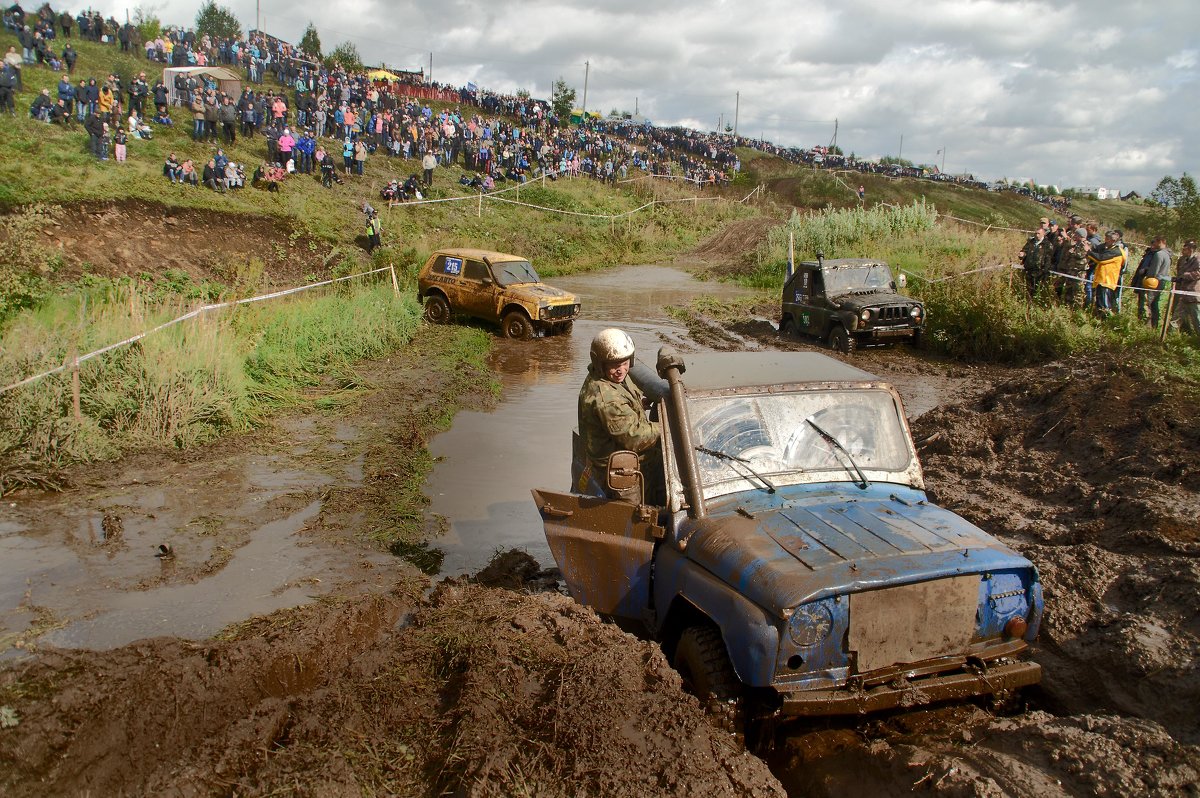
(1074, 94)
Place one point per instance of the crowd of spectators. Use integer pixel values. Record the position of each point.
(1075, 265)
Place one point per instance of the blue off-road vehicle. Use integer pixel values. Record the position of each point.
(793, 565)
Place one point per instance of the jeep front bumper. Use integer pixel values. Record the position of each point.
(905, 692)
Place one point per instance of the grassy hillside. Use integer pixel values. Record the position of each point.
(814, 189)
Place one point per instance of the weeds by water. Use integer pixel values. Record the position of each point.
(217, 373)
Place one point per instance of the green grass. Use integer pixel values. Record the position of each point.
(186, 384)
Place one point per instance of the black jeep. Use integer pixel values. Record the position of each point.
(848, 301)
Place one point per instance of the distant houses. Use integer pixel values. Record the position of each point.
(1098, 192)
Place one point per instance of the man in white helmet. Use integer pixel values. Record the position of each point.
(612, 415)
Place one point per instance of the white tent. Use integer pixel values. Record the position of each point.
(227, 80)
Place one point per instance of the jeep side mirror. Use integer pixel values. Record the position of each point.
(487, 281)
(902, 279)
(625, 476)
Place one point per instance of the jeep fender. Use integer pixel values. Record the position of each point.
(683, 590)
(511, 306)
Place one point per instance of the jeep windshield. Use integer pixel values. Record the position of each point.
(771, 437)
(863, 277)
(515, 272)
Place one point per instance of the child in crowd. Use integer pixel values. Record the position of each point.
(119, 140)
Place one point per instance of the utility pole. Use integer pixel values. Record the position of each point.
(900, 157)
(943, 159)
(587, 67)
(635, 106)
(720, 119)
(257, 15)
(737, 107)
(833, 145)
(429, 79)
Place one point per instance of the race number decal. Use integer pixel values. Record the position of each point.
(453, 266)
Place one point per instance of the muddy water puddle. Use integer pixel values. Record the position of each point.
(176, 548)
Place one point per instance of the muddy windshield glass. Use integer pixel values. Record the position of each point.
(861, 277)
(769, 434)
(512, 272)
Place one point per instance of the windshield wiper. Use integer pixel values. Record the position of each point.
(729, 458)
(862, 479)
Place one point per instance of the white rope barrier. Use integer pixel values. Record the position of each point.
(74, 362)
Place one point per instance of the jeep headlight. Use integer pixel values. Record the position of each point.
(543, 312)
(915, 312)
(810, 624)
(865, 315)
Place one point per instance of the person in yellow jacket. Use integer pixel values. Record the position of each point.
(1108, 262)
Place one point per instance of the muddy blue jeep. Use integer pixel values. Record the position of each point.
(794, 565)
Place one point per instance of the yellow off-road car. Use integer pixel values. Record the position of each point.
(494, 287)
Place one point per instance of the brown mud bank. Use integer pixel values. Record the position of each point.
(474, 691)
(132, 237)
(1094, 474)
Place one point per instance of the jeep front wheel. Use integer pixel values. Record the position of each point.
(517, 325)
(437, 309)
(841, 340)
(703, 662)
(788, 328)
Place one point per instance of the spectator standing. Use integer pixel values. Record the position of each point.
(429, 163)
(119, 140)
(1035, 258)
(374, 231)
(360, 156)
(1187, 278)
(1073, 264)
(197, 106)
(1108, 262)
(227, 116)
(1151, 277)
(9, 78)
(69, 57)
(95, 129)
(285, 146)
(347, 154)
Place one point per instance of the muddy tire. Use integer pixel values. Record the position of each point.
(703, 662)
(516, 325)
(565, 329)
(841, 340)
(917, 339)
(788, 328)
(437, 309)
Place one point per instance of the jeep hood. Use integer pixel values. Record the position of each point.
(542, 293)
(870, 299)
(807, 542)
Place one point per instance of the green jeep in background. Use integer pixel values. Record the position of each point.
(847, 302)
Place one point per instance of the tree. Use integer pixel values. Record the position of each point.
(147, 22)
(346, 56)
(1181, 199)
(217, 21)
(562, 100)
(310, 42)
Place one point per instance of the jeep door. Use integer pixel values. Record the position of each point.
(603, 548)
(809, 288)
(478, 290)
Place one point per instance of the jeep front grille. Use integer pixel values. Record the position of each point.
(893, 314)
(561, 311)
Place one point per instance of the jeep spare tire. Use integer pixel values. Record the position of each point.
(517, 325)
(437, 309)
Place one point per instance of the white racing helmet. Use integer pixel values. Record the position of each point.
(611, 345)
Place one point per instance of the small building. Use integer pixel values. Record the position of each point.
(1099, 192)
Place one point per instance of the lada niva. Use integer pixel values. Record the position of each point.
(496, 287)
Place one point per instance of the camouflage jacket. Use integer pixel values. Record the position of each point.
(611, 419)
(1075, 260)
